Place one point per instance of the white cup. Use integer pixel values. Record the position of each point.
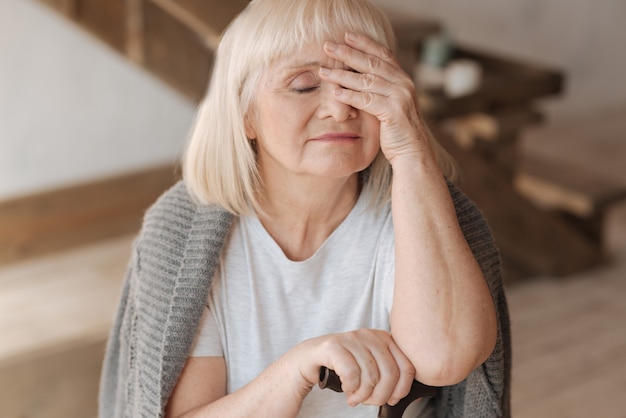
(462, 77)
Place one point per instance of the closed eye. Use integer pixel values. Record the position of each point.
(305, 89)
(305, 82)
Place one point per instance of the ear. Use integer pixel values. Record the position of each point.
(248, 123)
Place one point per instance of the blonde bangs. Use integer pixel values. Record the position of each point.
(287, 26)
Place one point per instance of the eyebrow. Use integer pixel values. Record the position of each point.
(302, 64)
(290, 69)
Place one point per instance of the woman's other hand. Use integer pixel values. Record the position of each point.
(374, 82)
(372, 369)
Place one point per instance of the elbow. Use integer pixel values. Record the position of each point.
(441, 371)
(450, 370)
(449, 364)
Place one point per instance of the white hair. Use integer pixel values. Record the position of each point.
(219, 166)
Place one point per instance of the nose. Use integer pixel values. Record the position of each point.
(330, 107)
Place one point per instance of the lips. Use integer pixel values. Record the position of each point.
(337, 136)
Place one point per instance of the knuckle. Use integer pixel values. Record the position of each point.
(409, 369)
(371, 378)
(410, 373)
(407, 94)
(368, 98)
(373, 63)
(351, 377)
(361, 331)
(332, 346)
(368, 80)
(394, 374)
(386, 53)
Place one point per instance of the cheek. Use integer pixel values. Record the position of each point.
(286, 116)
(372, 126)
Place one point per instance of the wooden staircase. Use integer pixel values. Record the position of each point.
(173, 39)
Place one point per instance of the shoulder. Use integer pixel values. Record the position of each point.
(176, 209)
(175, 219)
(175, 205)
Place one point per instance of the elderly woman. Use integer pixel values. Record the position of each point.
(314, 228)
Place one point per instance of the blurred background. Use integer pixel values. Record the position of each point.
(96, 100)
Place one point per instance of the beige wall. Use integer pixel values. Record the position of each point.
(586, 39)
(72, 110)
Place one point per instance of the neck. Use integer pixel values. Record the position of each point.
(301, 215)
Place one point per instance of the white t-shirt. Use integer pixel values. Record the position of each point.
(262, 304)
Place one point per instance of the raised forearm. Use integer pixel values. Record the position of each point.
(443, 315)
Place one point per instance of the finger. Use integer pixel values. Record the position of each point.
(369, 379)
(362, 62)
(407, 375)
(385, 110)
(360, 377)
(363, 82)
(369, 46)
(347, 368)
(389, 374)
(379, 371)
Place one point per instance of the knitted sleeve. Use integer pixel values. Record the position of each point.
(166, 287)
(486, 391)
(115, 370)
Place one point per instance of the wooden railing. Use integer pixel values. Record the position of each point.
(173, 39)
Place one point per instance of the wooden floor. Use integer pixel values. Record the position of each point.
(569, 340)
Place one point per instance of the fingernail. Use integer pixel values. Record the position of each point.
(338, 91)
(350, 36)
(324, 71)
(331, 46)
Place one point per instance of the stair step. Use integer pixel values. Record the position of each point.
(577, 165)
(559, 185)
(55, 314)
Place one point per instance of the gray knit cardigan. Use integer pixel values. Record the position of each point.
(166, 288)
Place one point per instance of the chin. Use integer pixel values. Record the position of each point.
(341, 169)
